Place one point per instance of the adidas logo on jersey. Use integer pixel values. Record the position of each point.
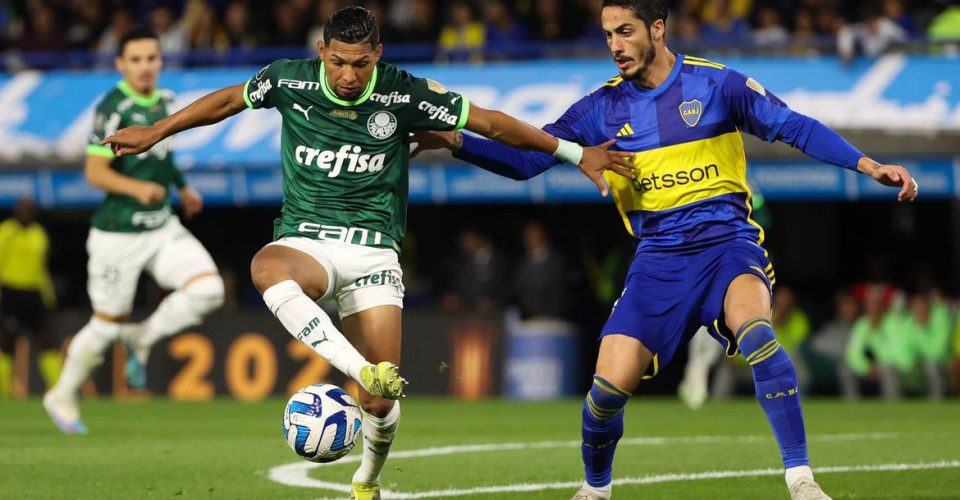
(335, 161)
(439, 113)
(625, 131)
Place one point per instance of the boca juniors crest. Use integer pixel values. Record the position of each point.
(690, 111)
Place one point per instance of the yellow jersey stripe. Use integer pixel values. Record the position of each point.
(705, 64)
(701, 59)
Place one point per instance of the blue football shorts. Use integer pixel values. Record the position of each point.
(668, 296)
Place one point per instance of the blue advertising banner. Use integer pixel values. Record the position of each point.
(47, 116)
(444, 184)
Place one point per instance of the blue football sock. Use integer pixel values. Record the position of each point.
(602, 428)
(775, 380)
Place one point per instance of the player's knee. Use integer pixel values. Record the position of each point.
(378, 407)
(605, 400)
(266, 271)
(205, 294)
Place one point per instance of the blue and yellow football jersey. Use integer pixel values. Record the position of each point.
(691, 189)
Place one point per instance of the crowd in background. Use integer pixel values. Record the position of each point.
(468, 30)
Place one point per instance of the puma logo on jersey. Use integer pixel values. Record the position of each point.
(348, 157)
(305, 112)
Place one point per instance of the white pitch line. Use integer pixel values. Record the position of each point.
(667, 478)
(297, 473)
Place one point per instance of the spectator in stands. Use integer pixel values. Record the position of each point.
(121, 20)
(463, 36)
(926, 324)
(85, 26)
(547, 22)
(420, 26)
(770, 31)
(474, 281)
(205, 32)
(792, 326)
(289, 26)
(42, 32)
(874, 36)
(170, 32)
(239, 32)
(830, 342)
(504, 33)
(804, 31)
(26, 293)
(790, 321)
(541, 277)
(877, 351)
(895, 11)
(722, 26)
(688, 31)
(325, 9)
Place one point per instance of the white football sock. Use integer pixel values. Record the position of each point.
(306, 321)
(794, 474)
(182, 309)
(378, 434)
(84, 354)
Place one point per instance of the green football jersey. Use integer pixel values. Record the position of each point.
(345, 162)
(122, 107)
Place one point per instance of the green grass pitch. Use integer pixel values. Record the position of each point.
(227, 449)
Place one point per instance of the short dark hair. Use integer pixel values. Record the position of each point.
(353, 24)
(135, 33)
(647, 11)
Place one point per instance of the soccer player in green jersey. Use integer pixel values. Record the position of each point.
(345, 152)
(134, 231)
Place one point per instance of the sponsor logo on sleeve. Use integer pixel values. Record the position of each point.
(260, 93)
(438, 113)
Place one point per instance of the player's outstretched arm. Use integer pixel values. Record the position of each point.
(100, 175)
(207, 110)
(516, 133)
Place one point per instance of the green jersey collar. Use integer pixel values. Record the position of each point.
(333, 97)
(139, 99)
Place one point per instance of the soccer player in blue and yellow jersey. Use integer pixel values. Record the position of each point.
(699, 259)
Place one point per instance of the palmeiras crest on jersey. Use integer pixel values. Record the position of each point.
(382, 124)
(690, 111)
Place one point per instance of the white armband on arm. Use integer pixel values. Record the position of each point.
(569, 151)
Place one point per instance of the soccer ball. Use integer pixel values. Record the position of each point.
(321, 423)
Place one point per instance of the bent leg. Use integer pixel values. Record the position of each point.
(290, 281)
(378, 331)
